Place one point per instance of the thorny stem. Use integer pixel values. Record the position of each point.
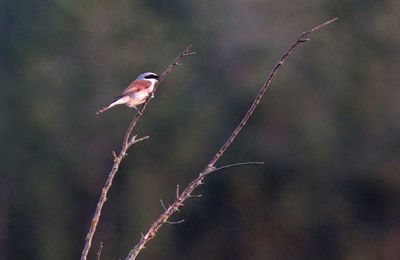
(210, 168)
(127, 142)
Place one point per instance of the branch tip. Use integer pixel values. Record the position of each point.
(316, 28)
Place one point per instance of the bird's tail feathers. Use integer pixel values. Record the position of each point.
(117, 101)
(102, 110)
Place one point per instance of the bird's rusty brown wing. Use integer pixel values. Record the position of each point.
(136, 86)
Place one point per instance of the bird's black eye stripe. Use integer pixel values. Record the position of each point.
(152, 76)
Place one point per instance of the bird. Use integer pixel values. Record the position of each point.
(136, 93)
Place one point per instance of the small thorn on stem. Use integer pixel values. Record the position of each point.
(99, 250)
(162, 204)
(176, 208)
(177, 191)
(304, 39)
(115, 156)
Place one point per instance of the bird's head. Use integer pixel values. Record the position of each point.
(148, 76)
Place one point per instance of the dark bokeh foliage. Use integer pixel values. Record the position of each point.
(327, 130)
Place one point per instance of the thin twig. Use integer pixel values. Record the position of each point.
(128, 141)
(99, 251)
(195, 196)
(210, 168)
(235, 165)
(162, 204)
(175, 222)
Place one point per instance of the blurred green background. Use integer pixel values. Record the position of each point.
(328, 129)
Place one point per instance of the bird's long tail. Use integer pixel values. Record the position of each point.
(117, 101)
(103, 109)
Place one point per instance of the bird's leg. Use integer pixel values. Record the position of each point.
(152, 95)
(137, 110)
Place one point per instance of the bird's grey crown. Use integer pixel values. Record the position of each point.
(147, 75)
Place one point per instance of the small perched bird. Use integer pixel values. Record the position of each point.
(136, 93)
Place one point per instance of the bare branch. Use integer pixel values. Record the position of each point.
(235, 165)
(128, 141)
(210, 168)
